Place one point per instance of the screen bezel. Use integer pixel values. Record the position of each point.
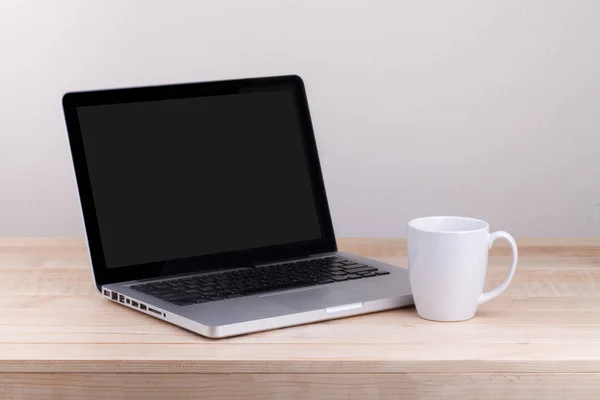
(102, 274)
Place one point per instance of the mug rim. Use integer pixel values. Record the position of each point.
(413, 222)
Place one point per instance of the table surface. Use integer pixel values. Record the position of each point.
(545, 327)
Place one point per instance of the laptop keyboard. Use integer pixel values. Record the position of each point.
(228, 285)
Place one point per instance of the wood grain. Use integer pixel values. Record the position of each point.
(541, 339)
(296, 387)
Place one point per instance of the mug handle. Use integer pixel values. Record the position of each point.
(487, 296)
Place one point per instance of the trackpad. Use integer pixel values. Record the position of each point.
(318, 298)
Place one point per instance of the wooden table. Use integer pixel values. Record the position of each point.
(540, 340)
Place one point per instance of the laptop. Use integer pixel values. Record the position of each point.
(204, 206)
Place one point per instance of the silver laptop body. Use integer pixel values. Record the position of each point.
(277, 309)
(121, 265)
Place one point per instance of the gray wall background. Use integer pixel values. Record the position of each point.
(480, 108)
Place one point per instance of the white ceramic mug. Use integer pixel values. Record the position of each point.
(447, 263)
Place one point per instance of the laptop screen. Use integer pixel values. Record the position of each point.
(187, 177)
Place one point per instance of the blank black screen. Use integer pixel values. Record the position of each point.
(188, 177)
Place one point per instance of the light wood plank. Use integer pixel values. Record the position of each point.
(400, 327)
(300, 358)
(296, 387)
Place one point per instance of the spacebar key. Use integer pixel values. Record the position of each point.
(291, 285)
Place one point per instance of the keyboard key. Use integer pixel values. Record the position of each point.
(339, 278)
(290, 285)
(382, 273)
(162, 287)
(339, 273)
(367, 274)
(178, 287)
(170, 298)
(353, 276)
(324, 281)
(354, 266)
(336, 264)
(188, 299)
(159, 293)
(363, 268)
(351, 263)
